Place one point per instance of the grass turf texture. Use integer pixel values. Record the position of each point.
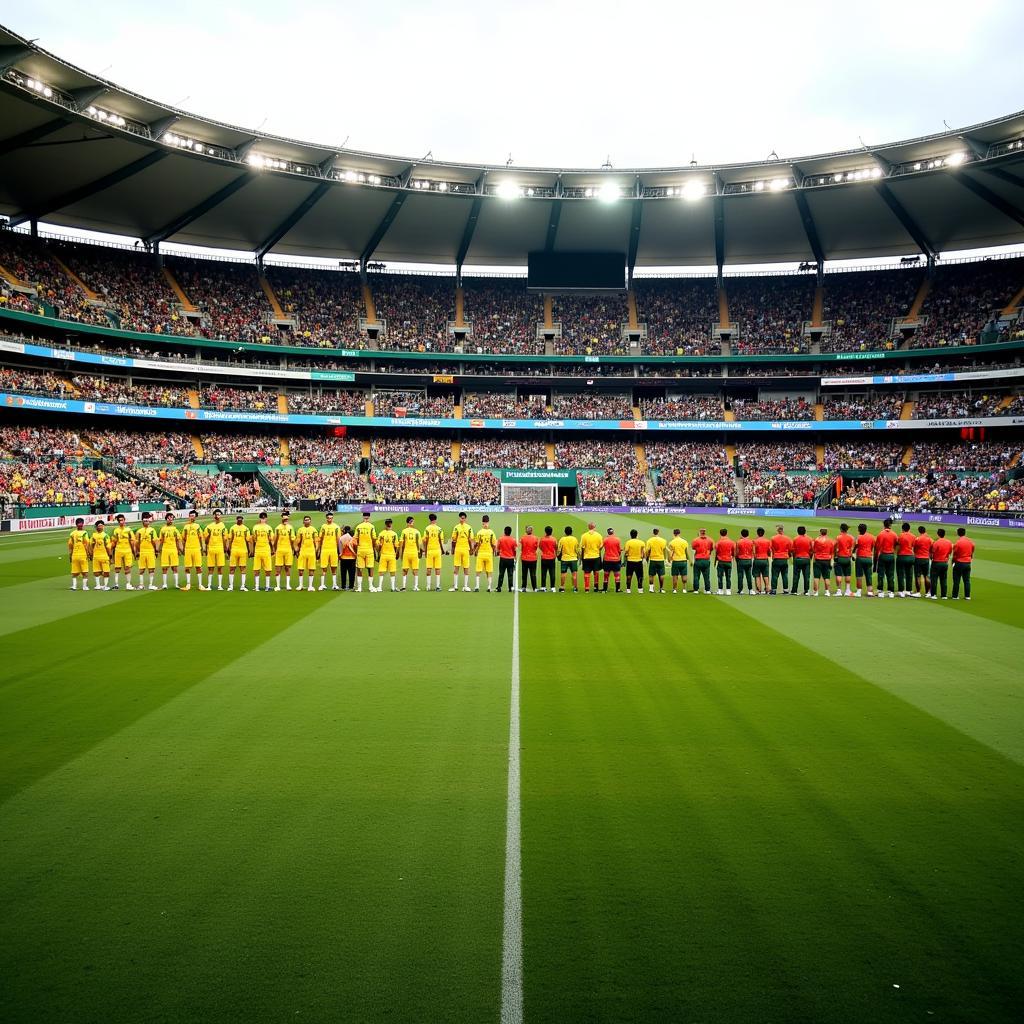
(236, 807)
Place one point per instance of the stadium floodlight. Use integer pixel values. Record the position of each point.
(694, 190)
(442, 186)
(609, 192)
(508, 190)
(758, 186)
(778, 184)
(40, 87)
(956, 159)
(350, 176)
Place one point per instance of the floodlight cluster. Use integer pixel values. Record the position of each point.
(106, 116)
(274, 163)
(181, 142)
(427, 185)
(40, 87)
(841, 177)
(352, 177)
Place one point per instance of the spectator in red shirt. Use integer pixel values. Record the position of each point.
(942, 548)
(724, 551)
(922, 552)
(744, 563)
(507, 547)
(905, 561)
(823, 547)
(885, 560)
(963, 555)
(528, 545)
(611, 554)
(782, 548)
(844, 556)
(762, 552)
(801, 560)
(702, 546)
(865, 546)
(548, 549)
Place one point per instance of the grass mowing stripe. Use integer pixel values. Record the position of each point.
(512, 929)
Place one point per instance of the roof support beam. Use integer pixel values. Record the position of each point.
(467, 234)
(26, 138)
(382, 228)
(554, 217)
(76, 195)
(199, 209)
(719, 233)
(161, 125)
(292, 219)
(810, 228)
(910, 225)
(10, 55)
(87, 95)
(634, 237)
(1004, 175)
(1004, 206)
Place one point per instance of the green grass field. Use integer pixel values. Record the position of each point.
(292, 807)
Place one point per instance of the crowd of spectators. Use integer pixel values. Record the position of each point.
(446, 486)
(681, 485)
(326, 305)
(498, 453)
(219, 396)
(133, 446)
(959, 456)
(775, 457)
(503, 314)
(863, 455)
(35, 443)
(771, 408)
(117, 389)
(781, 490)
(412, 452)
(947, 405)
(206, 490)
(344, 402)
(596, 454)
(683, 407)
(262, 449)
(881, 406)
(935, 492)
(678, 314)
(58, 482)
(770, 313)
(503, 405)
(417, 311)
(326, 487)
(32, 382)
(685, 455)
(613, 487)
(591, 324)
(324, 451)
(862, 305)
(593, 405)
(229, 296)
(413, 404)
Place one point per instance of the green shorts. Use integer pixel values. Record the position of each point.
(864, 566)
(842, 567)
(822, 570)
(655, 568)
(921, 566)
(569, 566)
(760, 567)
(680, 568)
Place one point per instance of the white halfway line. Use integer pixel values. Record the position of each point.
(512, 932)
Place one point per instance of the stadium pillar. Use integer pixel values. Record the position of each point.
(33, 227)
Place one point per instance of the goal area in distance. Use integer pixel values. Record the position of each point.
(527, 495)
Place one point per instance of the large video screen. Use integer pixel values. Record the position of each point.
(577, 271)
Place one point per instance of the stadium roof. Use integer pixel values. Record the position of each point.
(79, 151)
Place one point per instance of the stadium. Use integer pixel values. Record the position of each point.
(614, 405)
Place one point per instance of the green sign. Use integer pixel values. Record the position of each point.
(561, 477)
(332, 375)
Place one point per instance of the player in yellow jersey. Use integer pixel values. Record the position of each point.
(262, 551)
(213, 538)
(655, 552)
(306, 542)
(99, 547)
(409, 549)
(124, 552)
(192, 539)
(483, 545)
(387, 555)
(679, 559)
(284, 551)
(330, 537)
(239, 549)
(568, 559)
(78, 553)
(591, 544)
(145, 538)
(432, 545)
(462, 546)
(366, 539)
(634, 550)
(169, 544)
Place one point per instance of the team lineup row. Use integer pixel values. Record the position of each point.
(912, 564)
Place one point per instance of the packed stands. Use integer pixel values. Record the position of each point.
(413, 404)
(219, 396)
(690, 473)
(503, 315)
(683, 407)
(502, 405)
(935, 492)
(882, 406)
(412, 452)
(417, 310)
(342, 402)
(503, 454)
(591, 324)
(613, 487)
(780, 490)
(206, 490)
(685, 454)
(678, 314)
(771, 408)
(943, 405)
(324, 451)
(326, 487)
(229, 296)
(595, 405)
(56, 482)
(862, 455)
(133, 446)
(595, 454)
(775, 457)
(862, 306)
(446, 486)
(944, 456)
(32, 442)
(263, 449)
(770, 312)
(327, 305)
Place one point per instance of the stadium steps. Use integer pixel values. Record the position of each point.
(186, 303)
(549, 311)
(13, 281)
(268, 290)
(268, 488)
(70, 385)
(457, 411)
(1014, 303)
(369, 408)
(637, 414)
(286, 452)
(819, 454)
(365, 448)
(922, 293)
(819, 305)
(460, 307)
(193, 398)
(76, 280)
(741, 491)
(456, 451)
(908, 454)
(641, 458)
(907, 412)
(723, 306)
(197, 446)
(1007, 399)
(819, 411)
(634, 319)
(1014, 459)
(282, 403)
(368, 305)
(729, 416)
(730, 455)
(549, 447)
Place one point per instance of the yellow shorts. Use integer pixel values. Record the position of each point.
(101, 565)
(307, 561)
(410, 561)
(79, 565)
(364, 559)
(284, 556)
(147, 560)
(193, 558)
(328, 559)
(215, 559)
(485, 563)
(169, 558)
(123, 559)
(387, 563)
(433, 559)
(461, 558)
(238, 558)
(261, 561)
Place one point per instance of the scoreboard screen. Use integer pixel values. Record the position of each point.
(577, 272)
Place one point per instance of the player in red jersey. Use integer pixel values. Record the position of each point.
(922, 556)
(744, 563)
(905, 561)
(844, 557)
(762, 552)
(528, 546)
(724, 551)
(548, 550)
(702, 546)
(611, 555)
(802, 549)
(822, 548)
(942, 548)
(782, 548)
(864, 547)
(963, 556)
(885, 560)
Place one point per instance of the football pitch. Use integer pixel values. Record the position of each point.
(295, 806)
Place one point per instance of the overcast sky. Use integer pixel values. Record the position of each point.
(559, 84)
